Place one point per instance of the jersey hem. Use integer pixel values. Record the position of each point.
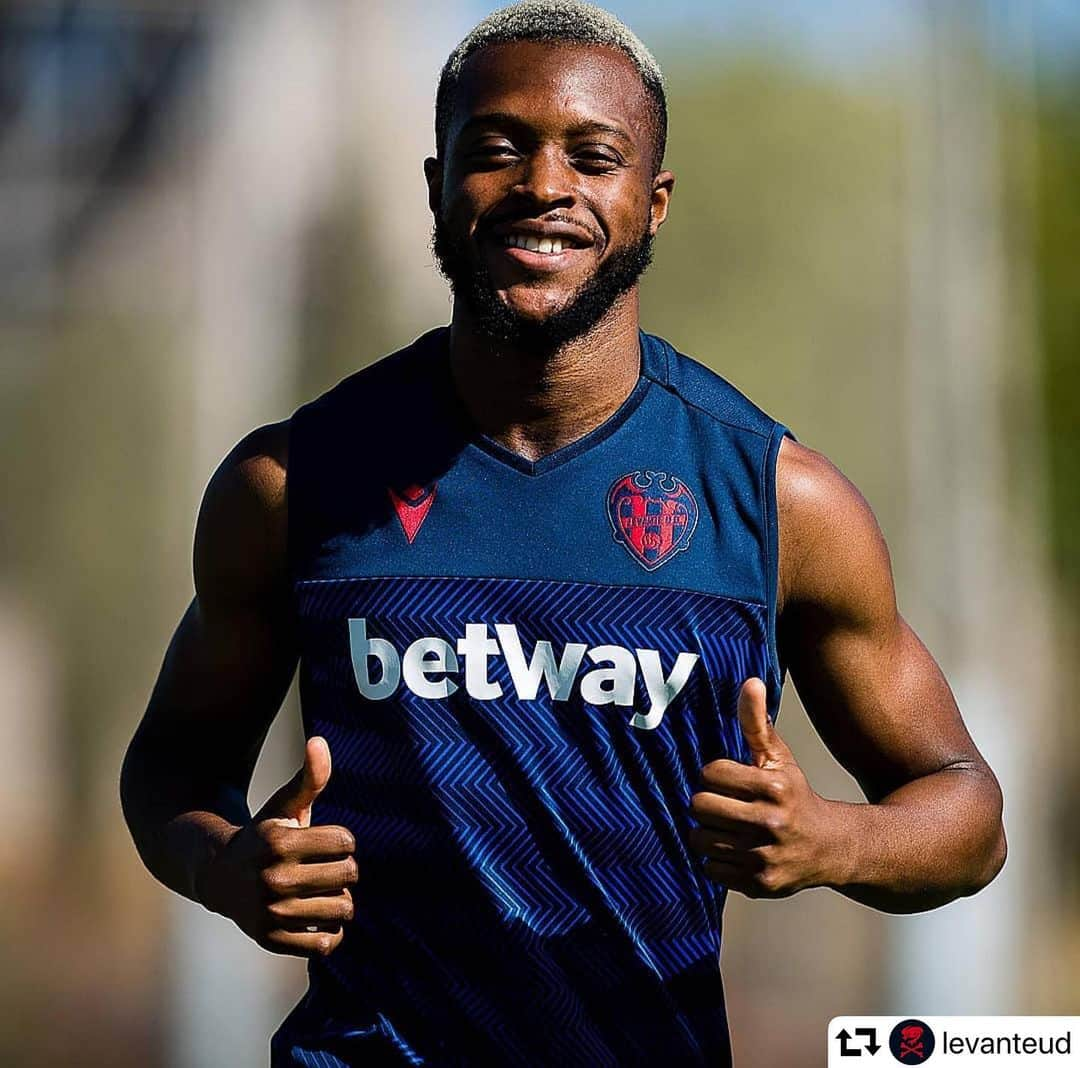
(772, 560)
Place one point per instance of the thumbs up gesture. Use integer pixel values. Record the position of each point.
(763, 830)
(283, 882)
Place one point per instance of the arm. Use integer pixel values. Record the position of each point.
(188, 768)
(932, 829)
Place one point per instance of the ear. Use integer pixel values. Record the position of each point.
(433, 173)
(662, 186)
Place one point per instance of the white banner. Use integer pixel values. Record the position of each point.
(1000, 1041)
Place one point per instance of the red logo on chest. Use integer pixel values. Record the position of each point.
(652, 515)
(412, 505)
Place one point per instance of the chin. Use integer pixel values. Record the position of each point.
(533, 307)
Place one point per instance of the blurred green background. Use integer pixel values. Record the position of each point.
(209, 213)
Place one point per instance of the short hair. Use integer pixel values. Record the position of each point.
(573, 21)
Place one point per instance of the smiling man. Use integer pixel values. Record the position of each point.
(544, 577)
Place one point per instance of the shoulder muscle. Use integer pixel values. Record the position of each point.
(833, 556)
(241, 538)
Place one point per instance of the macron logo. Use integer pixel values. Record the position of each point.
(434, 668)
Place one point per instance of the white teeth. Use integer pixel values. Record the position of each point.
(551, 245)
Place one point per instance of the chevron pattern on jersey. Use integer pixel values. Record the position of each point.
(525, 879)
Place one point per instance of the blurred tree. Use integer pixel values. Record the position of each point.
(1057, 268)
(1057, 208)
(782, 263)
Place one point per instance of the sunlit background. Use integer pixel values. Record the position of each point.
(211, 212)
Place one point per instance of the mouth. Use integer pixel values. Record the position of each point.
(547, 246)
(540, 248)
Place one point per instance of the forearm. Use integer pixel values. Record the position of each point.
(925, 844)
(178, 825)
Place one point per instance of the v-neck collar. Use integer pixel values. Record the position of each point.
(497, 451)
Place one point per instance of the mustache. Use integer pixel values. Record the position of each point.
(508, 216)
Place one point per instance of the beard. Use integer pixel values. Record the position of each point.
(471, 282)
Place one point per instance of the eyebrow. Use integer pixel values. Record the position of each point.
(503, 118)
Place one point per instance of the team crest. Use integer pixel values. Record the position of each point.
(652, 514)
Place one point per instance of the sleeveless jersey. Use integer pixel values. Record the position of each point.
(520, 668)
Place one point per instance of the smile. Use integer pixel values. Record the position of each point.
(548, 245)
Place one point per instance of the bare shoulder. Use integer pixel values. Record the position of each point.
(241, 538)
(833, 554)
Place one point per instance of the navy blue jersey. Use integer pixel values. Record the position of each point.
(520, 668)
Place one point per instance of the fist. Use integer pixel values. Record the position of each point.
(760, 825)
(284, 883)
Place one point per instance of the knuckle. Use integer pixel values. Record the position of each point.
(276, 881)
(324, 944)
(347, 842)
(777, 789)
(276, 838)
(776, 823)
(352, 870)
(348, 908)
(266, 829)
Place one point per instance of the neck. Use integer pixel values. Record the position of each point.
(537, 401)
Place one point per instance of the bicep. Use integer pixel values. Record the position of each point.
(871, 688)
(222, 681)
(233, 654)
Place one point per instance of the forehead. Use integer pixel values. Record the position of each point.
(545, 82)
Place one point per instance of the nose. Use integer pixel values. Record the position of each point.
(548, 178)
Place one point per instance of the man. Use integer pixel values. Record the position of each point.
(543, 576)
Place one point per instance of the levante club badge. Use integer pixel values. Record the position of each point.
(652, 515)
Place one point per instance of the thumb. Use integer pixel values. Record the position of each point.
(766, 746)
(293, 801)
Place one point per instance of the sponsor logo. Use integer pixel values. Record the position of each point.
(652, 515)
(434, 668)
(412, 505)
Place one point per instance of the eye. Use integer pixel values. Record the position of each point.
(493, 151)
(597, 158)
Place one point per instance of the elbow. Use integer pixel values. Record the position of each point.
(993, 860)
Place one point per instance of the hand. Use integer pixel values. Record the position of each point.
(764, 831)
(283, 882)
